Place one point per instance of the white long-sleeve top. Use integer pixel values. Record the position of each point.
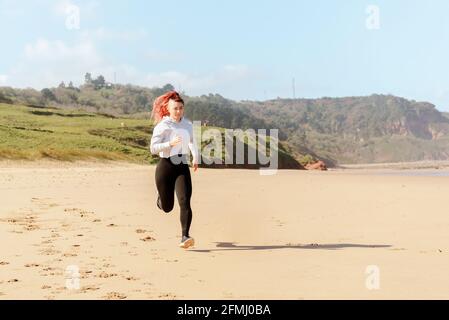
(166, 130)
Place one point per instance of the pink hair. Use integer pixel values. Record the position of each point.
(160, 105)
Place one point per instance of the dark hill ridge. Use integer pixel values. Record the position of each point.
(373, 116)
(361, 129)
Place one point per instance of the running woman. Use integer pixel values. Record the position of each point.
(172, 139)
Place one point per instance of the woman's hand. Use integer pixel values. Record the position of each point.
(175, 141)
(195, 166)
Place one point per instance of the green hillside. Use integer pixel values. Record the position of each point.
(33, 133)
(28, 132)
(376, 128)
(368, 129)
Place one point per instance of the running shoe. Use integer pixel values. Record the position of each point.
(187, 242)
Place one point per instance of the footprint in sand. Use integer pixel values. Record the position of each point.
(55, 234)
(87, 288)
(82, 213)
(68, 254)
(107, 265)
(49, 252)
(107, 275)
(85, 274)
(279, 222)
(13, 280)
(167, 296)
(49, 269)
(44, 203)
(3, 263)
(28, 222)
(59, 289)
(51, 274)
(31, 227)
(114, 296)
(148, 238)
(45, 287)
(29, 265)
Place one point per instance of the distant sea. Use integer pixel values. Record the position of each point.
(416, 169)
(416, 173)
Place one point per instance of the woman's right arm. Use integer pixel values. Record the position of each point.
(157, 140)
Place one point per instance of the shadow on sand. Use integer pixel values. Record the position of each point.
(228, 246)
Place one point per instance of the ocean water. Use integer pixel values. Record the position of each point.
(415, 173)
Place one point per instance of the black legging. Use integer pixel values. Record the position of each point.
(171, 177)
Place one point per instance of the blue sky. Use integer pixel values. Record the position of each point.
(240, 49)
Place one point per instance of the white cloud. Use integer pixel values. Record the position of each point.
(43, 49)
(227, 78)
(46, 63)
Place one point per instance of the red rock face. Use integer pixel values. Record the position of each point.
(319, 165)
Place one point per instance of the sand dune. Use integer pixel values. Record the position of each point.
(293, 235)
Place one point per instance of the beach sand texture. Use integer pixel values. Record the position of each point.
(292, 235)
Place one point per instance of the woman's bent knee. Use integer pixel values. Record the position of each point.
(167, 208)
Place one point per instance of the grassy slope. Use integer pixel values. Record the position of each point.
(34, 133)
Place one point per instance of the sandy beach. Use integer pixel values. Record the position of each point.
(293, 235)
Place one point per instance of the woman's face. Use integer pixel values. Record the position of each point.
(176, 109)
